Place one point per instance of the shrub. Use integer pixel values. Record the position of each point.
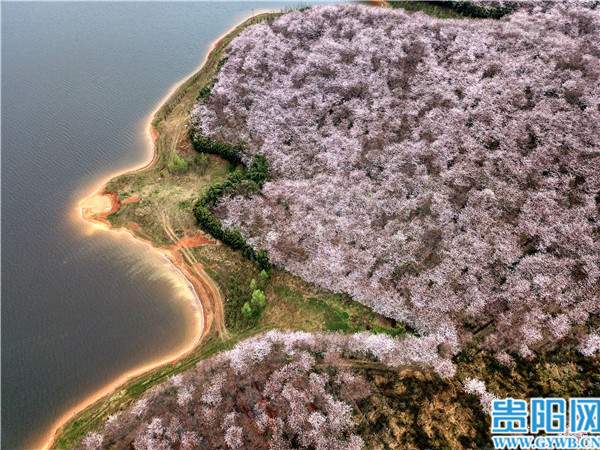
(176, 164)
(262, 259)
(246, 188)
(234, 239)
(207, 221)
(247, 311)
(201, 162)
(253, 309)
(204, 93)
(259, 300)
(481, 9)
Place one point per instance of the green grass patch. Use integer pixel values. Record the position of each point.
(394, 331)
(176, 164)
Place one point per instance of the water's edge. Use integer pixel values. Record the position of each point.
(98, 190)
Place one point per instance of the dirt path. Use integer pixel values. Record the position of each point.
(97, 209)
(205, 287)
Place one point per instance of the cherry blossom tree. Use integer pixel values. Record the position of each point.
(590, 344)
(478, 388)
(92, 441)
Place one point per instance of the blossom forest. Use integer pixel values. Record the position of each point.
(439, 171)
(444, 173)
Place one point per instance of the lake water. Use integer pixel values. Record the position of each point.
(79, 308)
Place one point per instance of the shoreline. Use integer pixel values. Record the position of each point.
(199, 283)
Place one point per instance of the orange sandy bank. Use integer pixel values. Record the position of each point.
(153, 133)
(99, 207)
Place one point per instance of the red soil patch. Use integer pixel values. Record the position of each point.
(97, 209)
(153, 133)
(115, 206)
(131, 200)
(196, 240)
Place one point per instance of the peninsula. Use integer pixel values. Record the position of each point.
(375, 209)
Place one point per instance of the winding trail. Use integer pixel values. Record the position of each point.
(97, 208)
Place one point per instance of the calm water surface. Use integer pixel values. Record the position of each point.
(79, 309)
